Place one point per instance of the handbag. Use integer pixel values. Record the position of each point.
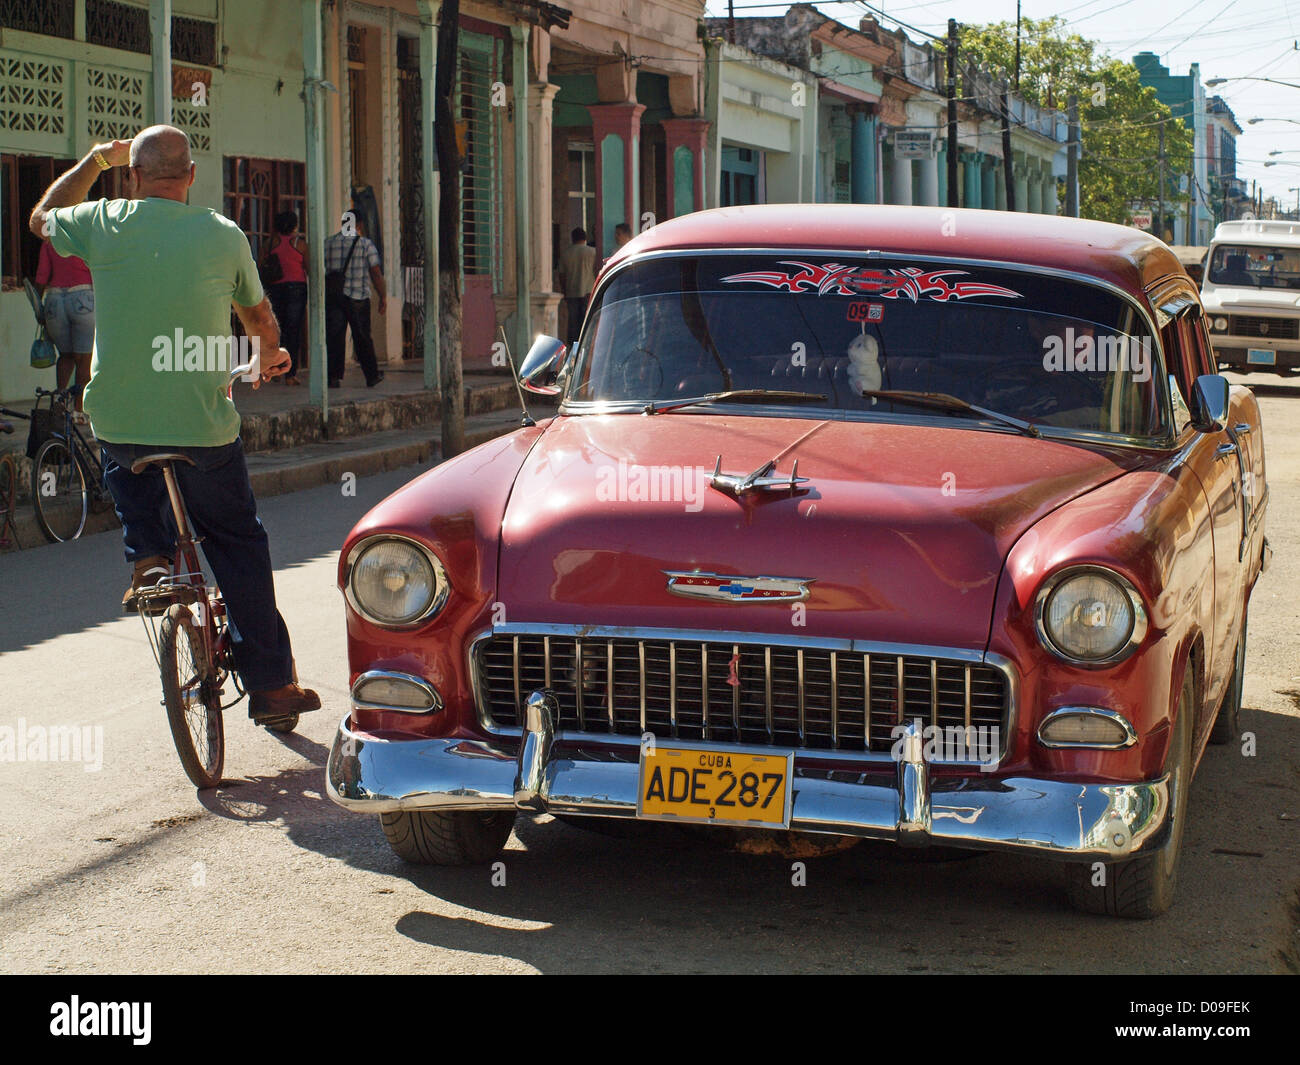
(44, 354)
(271, 270)
(336, 279)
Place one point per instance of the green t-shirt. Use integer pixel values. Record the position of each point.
(165, 274)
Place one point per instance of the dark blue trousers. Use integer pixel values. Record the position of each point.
(223, 514)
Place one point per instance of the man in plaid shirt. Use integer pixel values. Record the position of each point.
(352, 310)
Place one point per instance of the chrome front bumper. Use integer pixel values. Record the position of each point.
(900, 801)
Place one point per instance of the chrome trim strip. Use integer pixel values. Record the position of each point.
(1069, 820)
(609, 683)
(519, 699)
(1130, 735)
(799, 681)
(835, 700)
(431, 693)
(580, 678)
(1165, 442)
(767, 689)
(735, 695)
(967, 698)
(640, 647)
(1135, 637)
(441, 585)
(866, 700)
(934, 692)
(672, 687)
(900, 692)
(546, 654)
(704, 682)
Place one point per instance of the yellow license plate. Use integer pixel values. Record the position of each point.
(715, 785)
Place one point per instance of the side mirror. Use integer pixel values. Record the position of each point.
(542, 365)
(1210, 403)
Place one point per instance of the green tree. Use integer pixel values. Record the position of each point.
(1120, 117)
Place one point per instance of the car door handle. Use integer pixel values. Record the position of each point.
(1224, 450)
(1242, 429)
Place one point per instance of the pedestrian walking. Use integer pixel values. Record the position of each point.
(353, 261)
(577, 276)
(288, 295)
(65, 284)
(165, 269)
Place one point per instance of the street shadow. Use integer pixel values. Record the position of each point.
(565, 899)
(63, 588)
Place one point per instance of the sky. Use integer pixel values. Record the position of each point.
(1228, 38)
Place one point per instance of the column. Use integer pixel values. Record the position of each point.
(930, 181)
(901, 180)
(160, 33)
(1000, 186)
(545, 302)
(684, 140)
(941, 165)
(973, 161)
(1050, 204)
(523, 183)
(616, 130)
(1022, 181)
(863, 167)
(989, 184)
(1035, 189)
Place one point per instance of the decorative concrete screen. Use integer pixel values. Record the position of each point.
(33, 102)
(116, 103)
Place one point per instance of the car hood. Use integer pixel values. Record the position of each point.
(900, 530)
(1230, 298)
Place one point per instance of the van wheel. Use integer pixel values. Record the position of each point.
(1143, 887)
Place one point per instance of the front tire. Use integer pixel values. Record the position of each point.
(59, 491)
(1227, 725)
(454, 837)
(1143, 887)
(192, 698)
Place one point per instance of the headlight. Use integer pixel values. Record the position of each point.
(1220, 325)
(395, 582)
(1090, 616)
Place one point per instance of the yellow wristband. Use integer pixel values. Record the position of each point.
(101, 161)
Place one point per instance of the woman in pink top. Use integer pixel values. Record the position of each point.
(288, 296)
(64, 281)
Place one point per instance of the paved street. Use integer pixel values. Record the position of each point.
(127, 869)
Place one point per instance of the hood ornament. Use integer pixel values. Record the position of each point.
(761, 480)
(725, 588)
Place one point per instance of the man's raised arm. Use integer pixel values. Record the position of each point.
(71, 189)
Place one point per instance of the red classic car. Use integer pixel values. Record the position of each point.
(880, 522)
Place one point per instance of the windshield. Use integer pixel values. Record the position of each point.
(1042, 348)
(1255, 266)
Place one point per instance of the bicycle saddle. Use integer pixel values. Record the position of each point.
(145, 461)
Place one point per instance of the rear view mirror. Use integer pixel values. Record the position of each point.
(1210, 403)
(542, 365)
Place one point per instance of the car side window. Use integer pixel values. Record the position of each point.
(1200, 345)
(1177, 344)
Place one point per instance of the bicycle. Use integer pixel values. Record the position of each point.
(192, 645)
(67, 477)
(8, 486)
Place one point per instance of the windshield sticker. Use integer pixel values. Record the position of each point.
(910, 282)
(866, 312)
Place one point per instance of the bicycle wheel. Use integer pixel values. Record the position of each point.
(59, 492)
(192, 698)
(8, 489)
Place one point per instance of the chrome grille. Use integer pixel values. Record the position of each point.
(1248, 325)
(792, 696)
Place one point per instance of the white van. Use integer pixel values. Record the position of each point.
(1251, 293)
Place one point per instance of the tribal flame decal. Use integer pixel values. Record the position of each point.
(910, 282)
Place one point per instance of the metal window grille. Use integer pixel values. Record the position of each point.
(194, 40)
(116, 25)
(55, 18)
(480, 185)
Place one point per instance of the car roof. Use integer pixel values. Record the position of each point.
(1129, 258)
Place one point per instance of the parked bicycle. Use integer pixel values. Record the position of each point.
(67, 476)
(192, 644)
(8, 488)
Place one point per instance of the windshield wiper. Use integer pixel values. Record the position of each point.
(756, 395)
(943, 401)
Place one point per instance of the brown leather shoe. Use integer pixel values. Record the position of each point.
(282, 702)
(145, 574)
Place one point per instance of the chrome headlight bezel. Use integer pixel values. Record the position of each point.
(441, 586)
(1137, 631)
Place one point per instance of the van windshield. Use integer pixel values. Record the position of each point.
(1039, 347)
(1255, 266)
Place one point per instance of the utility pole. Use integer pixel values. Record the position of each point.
(1007, 167)
(1049, 102)
(1072, 158)
(953, 194)
(731, 21)
(1160, 227)
(1190, 232)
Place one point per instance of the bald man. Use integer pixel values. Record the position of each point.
(166, 275)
